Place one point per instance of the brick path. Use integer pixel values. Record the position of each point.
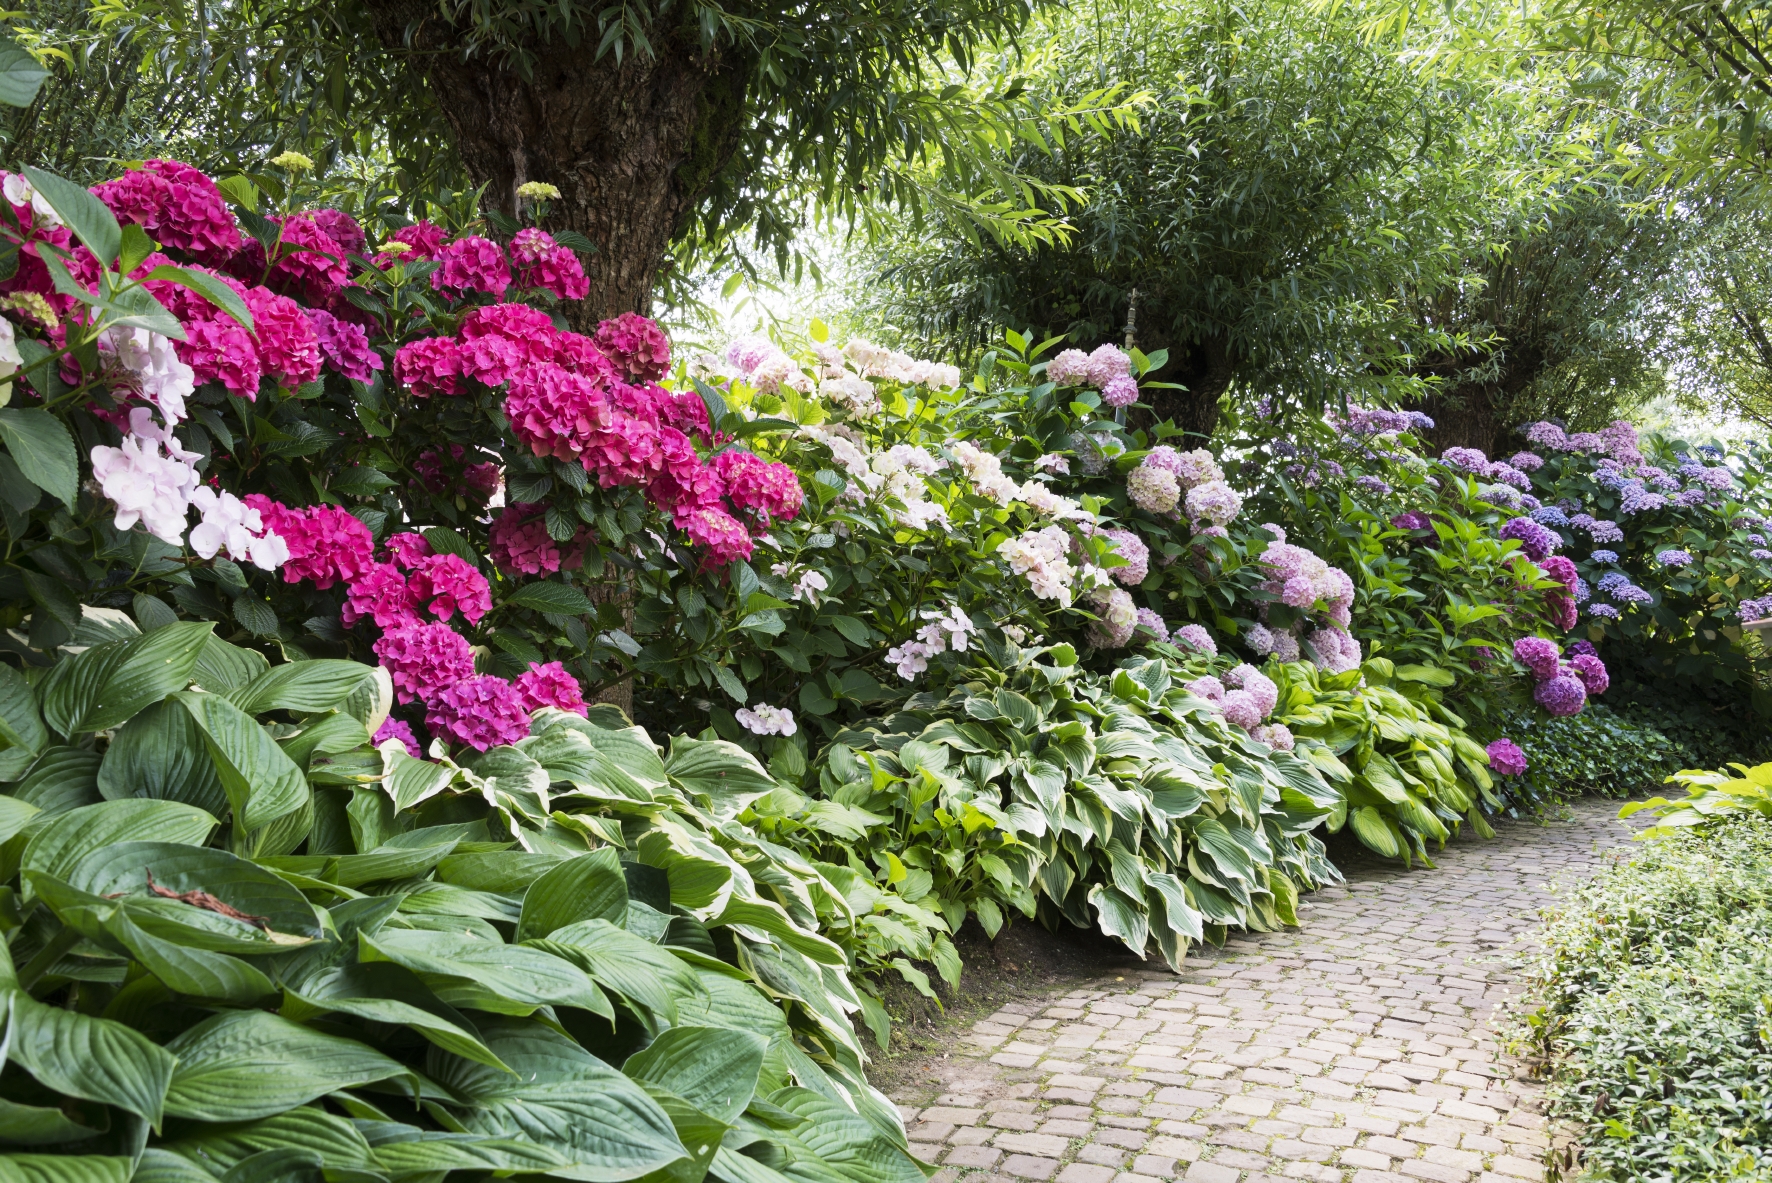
(1353, 1050)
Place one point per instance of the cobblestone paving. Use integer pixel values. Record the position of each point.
(1355, 1049)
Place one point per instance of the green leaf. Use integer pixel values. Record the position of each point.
(249, 1064)
(1430, 674)
(88, 1057)
(56, 1168)
(222, 667)
(109, 683)
(468, 972)
(723, 773)
(381, 992)
(69, 838)
(210, 288)
(566, 1100)
(124, 868)
(21, 724)
(1120, 916)
(635, 968)
(42, 449)
(545, 596)
(410, 780)
(83, 213)
(261, 781)
(445, 541)
(63, 778)
(847, 1141)
(304, 687)
(160, 754)
(254, 615)
(20, 75)
(769, 917)
(589, 887)
(713, 1069)
(334, 1139)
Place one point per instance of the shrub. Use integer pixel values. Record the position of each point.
(1653, 1023)
(1598, 751)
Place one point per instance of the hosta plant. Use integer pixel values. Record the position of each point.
(1036, 787)
(242, 943)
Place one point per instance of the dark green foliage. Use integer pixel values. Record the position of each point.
(1600, 751)
(1654, 1020)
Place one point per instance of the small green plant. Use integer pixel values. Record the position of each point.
(1710, 796)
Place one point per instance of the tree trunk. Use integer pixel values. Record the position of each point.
(631, 145)
(1205, 370)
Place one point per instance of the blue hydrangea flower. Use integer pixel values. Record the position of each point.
(1550, 515)
(1604, 556)
(1674, 558)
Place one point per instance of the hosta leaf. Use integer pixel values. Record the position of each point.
(637, 969)
(769, 917)
(246, 887)
(724, 773)
(248, 1064)
(382, 992)
(846, 1140)
(62, 778)
(469, 972)
(303, 687)
(72, 1168)
(109, 683)
(67, 839)
(589, 887)
(1121, 916)
(714, 1070)
(89, 1057)
(21, 724)
(160, 754)
(261, 782)
(334, 1139)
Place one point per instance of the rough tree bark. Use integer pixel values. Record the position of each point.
(1205, 369)
(631, 145)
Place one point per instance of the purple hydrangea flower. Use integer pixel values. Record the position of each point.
(1674, 558)
(1506, 757)
(1604, 556)
(1592, 672)
(1193, 637)
(1470, 460)
(1373, 485)
(1550, 515)
(1412, 520)
(1538, 655)
(1535, 540)
(1561, 696)
(1603, 611)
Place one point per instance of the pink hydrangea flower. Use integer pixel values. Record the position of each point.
(1120, 392)
(178, 206)
(628, 450)
(1153, 489)
(1130, 547)
(326, 544)
(636, 345)
(481, 712)
(556, 412)
(1196, 638)
(767, 489)
(315, 271)
(425, 239)
(1106, 364)
(219, 349)
(381, 594)
(490, 359)
(520, 542)
(1592, 672)
(287, 346)
(1208, 688)
(450, 582)
(342, 228)
(718, 533)
(344, 346)
(1069, 368)
(471, 264)
(409, 550)
(1241, 709)
(1538, 655)
(685, 483)
(1148, 619)
(429, 366)
(1505, 755)
(392, 728)
(687, 414)
(424, 659)
(543, 263)
(480, 481)
(550, 685)
(578, 353)
(530, 329)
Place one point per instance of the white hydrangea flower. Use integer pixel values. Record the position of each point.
(767, 720)
(21, 192)
(230, 524)
(149, 478)
(148, 364)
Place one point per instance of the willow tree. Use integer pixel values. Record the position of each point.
(668, 126)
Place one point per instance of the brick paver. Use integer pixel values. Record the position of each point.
(1355, 1049)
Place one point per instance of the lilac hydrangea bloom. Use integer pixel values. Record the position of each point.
(1760, 553)
(1604, 556)
(1674, 558)
(1604, 531)
(1150, 620)
(1561, 696)
(1535, 540)
(1469, 459)
(1550, 515)
(1603, 611)
(1538, 655)
(1192, 636)
(1373, 485)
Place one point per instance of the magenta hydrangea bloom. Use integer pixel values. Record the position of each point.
(1538, 541)
(219, 349)
(392, 728)
(425, 238)
(636, 345)
(540, 262)
(521, 543)
(550, 685)
(342, 228)
(380, 594)
(1196, 638)
(429, 366)
(481, 712)
(721, 536)
(1592, 672)
(424, 659)
(1561, 696)
(326, 545)
(408, 550)
(491, 359)
(287, 346)
(1130, 547)
(1505, 755)
(1561, 604)
(315, 273)
(471, 265)
(765, 488)
(685, 483)
(1538, 655)
(529, 329)
(178, 206)
(450, 582)
(344, 346)
(555, 412)
(1120, 392)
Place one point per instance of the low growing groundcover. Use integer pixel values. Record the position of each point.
(1654, 1009)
